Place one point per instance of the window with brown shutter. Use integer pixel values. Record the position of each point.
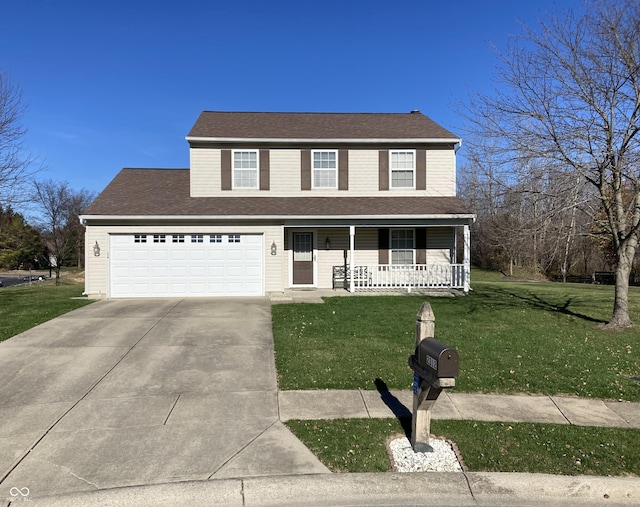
(383, 246)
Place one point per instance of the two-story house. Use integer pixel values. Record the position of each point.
(276, 201)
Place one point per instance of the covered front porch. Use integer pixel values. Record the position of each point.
(379, 257)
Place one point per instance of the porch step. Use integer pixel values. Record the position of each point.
(279, 297)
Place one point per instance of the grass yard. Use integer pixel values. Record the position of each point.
(25, 306)
(543, 338)
(358, 445)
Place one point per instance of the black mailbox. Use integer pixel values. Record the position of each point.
(443, 361)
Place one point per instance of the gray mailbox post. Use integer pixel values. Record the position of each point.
(435, 368)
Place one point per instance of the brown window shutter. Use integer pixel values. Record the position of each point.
(264, 169)
(383, 170)
(383, 246)
(421, 245)
(343, 170)
(421, 169)
(305, 170)
(226, 174)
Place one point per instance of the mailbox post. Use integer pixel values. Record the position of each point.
(435, 368)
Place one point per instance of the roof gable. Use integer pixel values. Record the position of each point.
(302, 126)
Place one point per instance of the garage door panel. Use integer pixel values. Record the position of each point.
(215, 256)
(197, 255)
(137, 255)
(196, 272)
(156, 255)
(179, 256)
(141, 272)
(177, 271)
(166, 269)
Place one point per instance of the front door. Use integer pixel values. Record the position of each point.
(302, 258)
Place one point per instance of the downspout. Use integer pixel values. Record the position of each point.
(83, 222)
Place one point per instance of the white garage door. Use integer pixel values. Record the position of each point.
(167, 265)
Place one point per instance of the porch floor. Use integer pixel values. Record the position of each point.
(316, 295)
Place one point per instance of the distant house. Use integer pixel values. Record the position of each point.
(275, 201)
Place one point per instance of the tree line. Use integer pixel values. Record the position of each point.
(554, 161)
(538, 222)
(53, 237)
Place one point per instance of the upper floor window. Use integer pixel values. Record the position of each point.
(245, 169)
(403, 169)
(402, 246)
(325, 169)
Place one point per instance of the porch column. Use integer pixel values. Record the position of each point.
(467, 258)
(352, 263)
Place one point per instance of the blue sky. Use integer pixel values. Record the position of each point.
(113, 84)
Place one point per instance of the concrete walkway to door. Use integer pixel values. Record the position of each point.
(135, 392)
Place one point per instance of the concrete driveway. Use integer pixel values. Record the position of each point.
(134, 392)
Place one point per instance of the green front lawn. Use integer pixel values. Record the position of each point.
(543, 338)
(358, 445)
(25, 306)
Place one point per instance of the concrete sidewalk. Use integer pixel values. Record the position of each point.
(460, 489)
(334, 404)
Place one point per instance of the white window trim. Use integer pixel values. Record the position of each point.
(313, 169)
(391, 249)
(413, 184)
(233, 169)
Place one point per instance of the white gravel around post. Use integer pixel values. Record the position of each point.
(442, 459)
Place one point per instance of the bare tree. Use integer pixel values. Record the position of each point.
(77, 203)
(52, 199)
(569, 97)
(16, 167)
(60, 207)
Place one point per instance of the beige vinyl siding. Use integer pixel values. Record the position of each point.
(366, 246)
(275, 266)
(334, 257)
(96, 268)
(363, 172)
(285, 172)
(96, 284)
(440, 245)
(205, 172)
(285, 181)
(441, 172)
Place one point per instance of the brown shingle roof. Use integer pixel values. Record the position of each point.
(216, 124)
(165, 192)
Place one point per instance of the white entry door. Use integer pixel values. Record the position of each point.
(186, 265)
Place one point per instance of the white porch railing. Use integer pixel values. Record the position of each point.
(409, 276)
